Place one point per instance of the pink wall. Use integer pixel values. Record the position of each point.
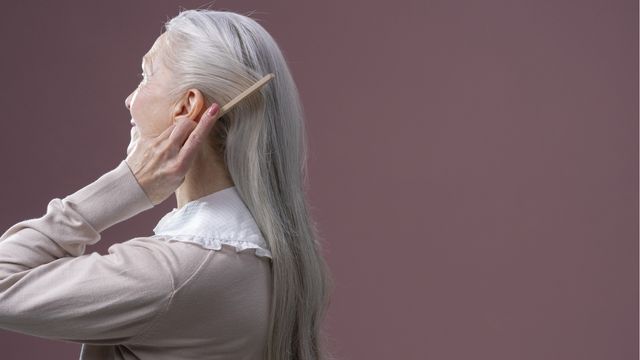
(474, 165)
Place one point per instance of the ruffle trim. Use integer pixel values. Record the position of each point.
(216, 244)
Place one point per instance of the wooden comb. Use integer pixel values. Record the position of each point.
(252, 89)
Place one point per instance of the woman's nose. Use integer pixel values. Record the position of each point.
(127, 101)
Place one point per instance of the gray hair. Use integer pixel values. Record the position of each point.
(264, 146)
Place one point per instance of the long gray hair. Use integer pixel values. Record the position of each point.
(263, 143)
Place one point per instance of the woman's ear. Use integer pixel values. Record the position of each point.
(190, 105)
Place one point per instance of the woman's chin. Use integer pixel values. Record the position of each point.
(133, 140)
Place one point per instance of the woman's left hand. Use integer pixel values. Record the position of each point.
(161, 163)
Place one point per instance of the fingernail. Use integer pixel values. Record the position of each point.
(213, 109)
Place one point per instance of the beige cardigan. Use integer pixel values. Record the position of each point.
(166, 296)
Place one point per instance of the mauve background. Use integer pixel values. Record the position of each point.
(474, 165)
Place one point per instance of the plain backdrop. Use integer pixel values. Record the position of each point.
(473, 165)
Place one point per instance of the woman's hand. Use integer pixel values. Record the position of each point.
(161, 163)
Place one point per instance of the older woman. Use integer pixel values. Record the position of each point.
(235, 271)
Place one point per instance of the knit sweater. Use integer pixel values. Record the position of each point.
(199, 288)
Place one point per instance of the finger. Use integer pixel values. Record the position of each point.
(166, 132)
(199, 134)
(181, 131)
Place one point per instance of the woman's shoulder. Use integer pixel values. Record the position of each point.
(187, 260)
(179, 259)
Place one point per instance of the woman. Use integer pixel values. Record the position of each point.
(235, 271)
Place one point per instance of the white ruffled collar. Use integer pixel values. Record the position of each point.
(215, 219)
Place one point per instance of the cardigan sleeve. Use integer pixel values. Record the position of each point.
(49, 288)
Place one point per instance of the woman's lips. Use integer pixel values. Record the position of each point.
(132, 123)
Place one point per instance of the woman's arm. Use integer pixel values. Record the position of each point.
(49, 289)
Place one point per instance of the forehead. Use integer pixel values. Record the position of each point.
(147, 59)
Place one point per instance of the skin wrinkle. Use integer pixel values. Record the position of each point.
(153, 111)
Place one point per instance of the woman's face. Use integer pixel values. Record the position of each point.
(151, 111)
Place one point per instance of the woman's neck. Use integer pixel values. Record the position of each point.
(206, 175)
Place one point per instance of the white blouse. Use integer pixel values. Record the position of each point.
(215, 219)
